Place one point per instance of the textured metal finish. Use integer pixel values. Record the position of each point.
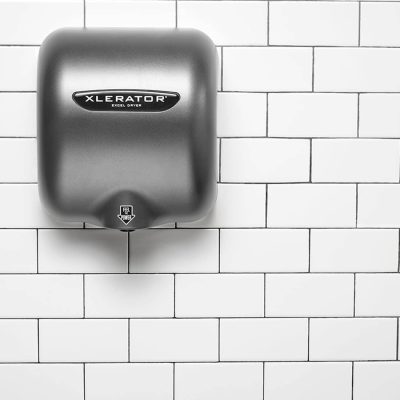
(91, 163)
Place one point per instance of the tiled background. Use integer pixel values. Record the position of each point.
(290, 289)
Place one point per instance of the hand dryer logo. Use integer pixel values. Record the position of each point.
(126, 100)
(126, 214)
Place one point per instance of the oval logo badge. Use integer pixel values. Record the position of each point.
(126, 100)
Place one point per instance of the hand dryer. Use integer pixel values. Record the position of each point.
(127, 126)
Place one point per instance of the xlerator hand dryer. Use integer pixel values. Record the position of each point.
(127, 126)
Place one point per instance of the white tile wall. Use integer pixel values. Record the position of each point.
(309, 295)
(222, 295)
(311, 205)
(265, 160)
(77, 340)
(289, 289)
(13, 122)
(308, 381)
(264, 69)
(378, 295)
(313, 23)
(18, 68)
(82, 251)
(19, 19)
(379, 116)
(263, 339)
(312, 115)
(264, 250)
(379, 24)
(237, 206)
(174, 250)
(241, 114)
(378, 205)
(376, 380)
(41, 296)
(357, 69)
(354, 250)
(12, 259)
(172, 339)
(221, 20)
(123, 13)
(42, 381)
(219, 380)
(129, 381)
(355, 160)
(18, 160)
(353, 339)
(18, 340)
(122, 296)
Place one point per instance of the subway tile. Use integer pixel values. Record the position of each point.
(264, 250)
(83, 340)
(378, 295)
(217, 161)
(82, 251)
(380, 24)
(161, 340)
(174, 250)
(29, 22)
(18, 117)
(353, 339)
(376, 380)
(41, 381)
(129, 381)
(378, 206)
(312, 115)
(264, 339)
(379, 115)
(269, 69)
(354, 250)
(219, 68)
(21, 208)
(18, 68)
(237, 206)
(124, 296)
(18, 160)
(309, 295)
(357, 69)
(17, 251)
(311, 205)
(313, 23)
(241, 114)
(227, 22)
(355, 160)
(41, 296)
(216, 381)
(132, 14)
(219, 295)
(265, 160)
(18, 340)
(308, 381)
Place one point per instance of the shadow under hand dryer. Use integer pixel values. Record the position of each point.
(127, 126)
